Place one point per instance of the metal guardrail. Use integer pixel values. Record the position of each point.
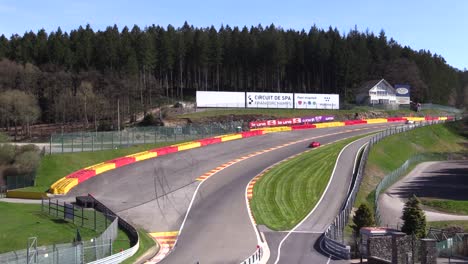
(118, 257)
(255, 257)
(333, 238)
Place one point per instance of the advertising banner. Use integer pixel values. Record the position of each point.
(290, 121)
(402, 93)
(270, 100)
(221, 99)
(316, 101)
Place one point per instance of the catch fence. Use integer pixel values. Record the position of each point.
(449, 244)
(93, 141)
(334, 234)
(78, 252)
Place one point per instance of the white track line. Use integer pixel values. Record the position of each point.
(316, 205)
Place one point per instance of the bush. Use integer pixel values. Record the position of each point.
(27, 162)
(7, 154)
(148, 120)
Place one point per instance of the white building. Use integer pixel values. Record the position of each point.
(376, 92)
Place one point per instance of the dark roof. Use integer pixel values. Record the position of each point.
(366, 86)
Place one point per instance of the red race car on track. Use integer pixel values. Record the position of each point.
(314, 144)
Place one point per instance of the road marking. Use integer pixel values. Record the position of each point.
(166, 240)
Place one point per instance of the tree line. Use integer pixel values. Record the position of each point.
(83, 75)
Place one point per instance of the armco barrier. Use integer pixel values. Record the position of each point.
(255, 257)
(209, 141)
(119, 162)
(63, 185)
(188, 145)
(165, 150)
(143, 155)
(101, 167)
(330, 124)
(337, 249)
(82, 175)
(230, 137)
(376, 120)
(299, 127)
(334, 239)
(354, 122)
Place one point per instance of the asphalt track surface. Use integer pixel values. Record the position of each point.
(438, 180)
(155, 194)
(303, 245)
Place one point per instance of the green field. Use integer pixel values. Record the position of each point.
(445, 224)
(56, 166)
(339, 114)
(447, 206)
(20, 221)
(390, 153)
(289, 191)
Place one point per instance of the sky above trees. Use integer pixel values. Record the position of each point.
(438, 26)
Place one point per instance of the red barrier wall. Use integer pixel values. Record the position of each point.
(209, 141)
(165, 150)
(82, 175)
(119, 162)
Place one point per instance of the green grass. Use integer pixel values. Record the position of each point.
(390, 153)
(121, 243)
(288, 192)
(447, 206)
(445, 224)
(20, 221)
(56, 166)
(146, 242)
(339, 114)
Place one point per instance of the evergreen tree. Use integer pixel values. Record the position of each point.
(414, 219)
(362, 218)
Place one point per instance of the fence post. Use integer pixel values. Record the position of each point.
(50, 144)
(56, 208)
(82, 216)
(94, 219)
(102, 140)
(92, 142)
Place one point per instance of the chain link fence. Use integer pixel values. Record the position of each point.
(93, 141)
(449, 244)
(397, 174)
(78, 252)
(334, 234)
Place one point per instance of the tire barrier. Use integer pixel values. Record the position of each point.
(65, 184)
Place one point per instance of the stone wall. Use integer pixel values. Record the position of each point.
(380, 247)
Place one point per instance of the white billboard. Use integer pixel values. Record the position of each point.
(220, 99)
(270, 100)
(316, 101)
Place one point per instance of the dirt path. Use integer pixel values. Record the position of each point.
(441, 180)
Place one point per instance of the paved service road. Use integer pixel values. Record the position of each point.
(440, 180)
(303, 244)
(155, 194)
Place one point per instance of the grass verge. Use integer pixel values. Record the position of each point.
(146, 243)
(447, 224)
(279, 113)
(390, 153)
(447, 206)
(20, 221)
(56, 166)
(289, 191)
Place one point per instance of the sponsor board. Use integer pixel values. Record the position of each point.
(402, 92)
(270, 100)
(290, 121)
(221, 99)
(316, 101)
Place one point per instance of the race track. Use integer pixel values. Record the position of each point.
(155, 194)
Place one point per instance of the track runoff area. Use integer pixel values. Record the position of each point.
(169, 238)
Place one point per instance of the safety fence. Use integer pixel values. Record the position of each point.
(391, 178)
(255, 257)
(449, 244)
(77, 252)
(80, 216)
(3, 191)
(334, 234)
(94, 141)
(441, 107)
